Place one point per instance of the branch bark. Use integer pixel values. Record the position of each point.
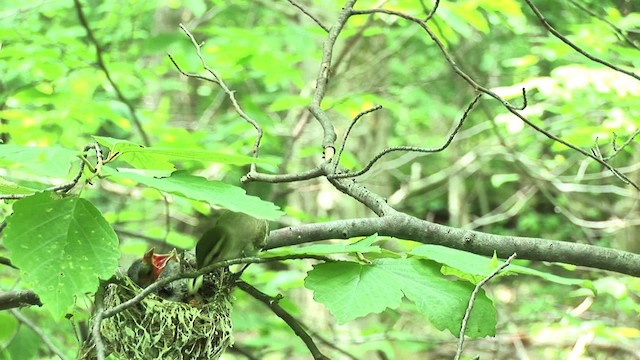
(406, 227)
(16, 299)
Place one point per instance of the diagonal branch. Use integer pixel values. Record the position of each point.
(322, 80)
(575, 47)
(511, 108)
(411, 148)
(216, 79)
(273, 304)
(103, 67)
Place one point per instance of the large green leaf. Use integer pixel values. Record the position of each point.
(480, 267)
(163, 158)
(42, 161)
(62, 247)
(351, 290)
(198, 188)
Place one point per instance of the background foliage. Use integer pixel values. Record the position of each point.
(498, 175)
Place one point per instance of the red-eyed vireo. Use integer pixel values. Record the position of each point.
(235, 235)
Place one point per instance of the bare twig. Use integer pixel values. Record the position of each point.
(103, 67)
(474, 294)
(511, 108)
(98, 316)
(575, 47)
(63, 188)
(616, 149)
(283, 178)
(346, 134)
(220, 82)
(411, 148)
(617, 30)
(36, 329)
(304, 11)
(429, 13)
(273, 304)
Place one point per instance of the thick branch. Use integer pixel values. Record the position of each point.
(322, 80)
(15, 299)
(410, 228)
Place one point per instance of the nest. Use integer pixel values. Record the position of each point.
(157, 328)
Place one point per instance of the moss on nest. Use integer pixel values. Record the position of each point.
(157, 328)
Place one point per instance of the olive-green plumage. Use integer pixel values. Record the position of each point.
(235, 235)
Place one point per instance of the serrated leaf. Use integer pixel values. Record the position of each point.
(480, 266)
(62, 247)
(350, 290)
(444, 301)
(198, 188)
(362, 246)
(162, 158)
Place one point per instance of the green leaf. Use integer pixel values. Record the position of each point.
(351, 290)
(43, 161)
(162, 158)
(477, 266)
(198, 188)
(480, 266)
(62, 247)
(24, 345)
(8, 328)
(361, 246)
(8, 187)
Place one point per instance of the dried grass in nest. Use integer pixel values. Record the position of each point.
(161, 329)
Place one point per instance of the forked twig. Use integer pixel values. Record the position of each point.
(474, 294)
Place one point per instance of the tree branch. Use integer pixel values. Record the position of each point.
(103, 67)
(16, 299)
(511, 108)
(273, 304)
(406, 227)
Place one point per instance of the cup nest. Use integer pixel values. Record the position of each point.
(157, 328)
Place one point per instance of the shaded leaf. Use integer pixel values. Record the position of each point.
(198, 188)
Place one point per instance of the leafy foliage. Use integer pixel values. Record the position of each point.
(498, 176)
(351, 290)
(63, 246)
(198, 188)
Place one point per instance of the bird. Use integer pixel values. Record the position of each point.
(147, 270)
(235, 235)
